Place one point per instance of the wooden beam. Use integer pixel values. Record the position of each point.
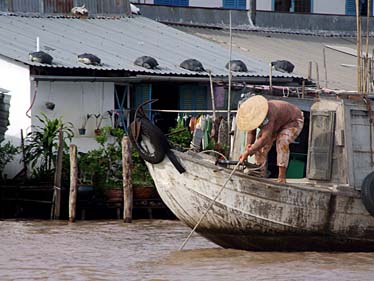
(73, 182)
(127, 182)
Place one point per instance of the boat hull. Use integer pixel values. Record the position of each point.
(259, 214)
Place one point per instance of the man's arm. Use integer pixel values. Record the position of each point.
(251, 137)
(263, 138)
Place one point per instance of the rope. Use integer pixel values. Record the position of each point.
(33, 99)
(207, 209)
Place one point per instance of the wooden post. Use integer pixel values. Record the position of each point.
(212, 95)
(325, 66)
(358, 47)
(73, 182)
(252, 10)
(310, 70)
(367, 64)
(57, 180)
(270, 78)
(317, 73)
(303, 89)
(23, 156)
(127, 182)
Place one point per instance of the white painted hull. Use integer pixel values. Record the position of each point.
(259, 214)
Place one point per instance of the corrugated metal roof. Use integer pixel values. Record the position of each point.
(118, 42)
(298, 49)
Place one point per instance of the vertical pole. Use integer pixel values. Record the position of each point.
(57, 180)
(229, 91)
(73, 182)
(310, 70)
(212, 95)
(127, 182)
(303, 89)
(23, 156)
(358, 47)
(253, 9)
(270, 78)
(325, 66)
(367, 67)
(317, 73)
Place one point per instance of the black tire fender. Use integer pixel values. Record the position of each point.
(150, 142)
(367, 193)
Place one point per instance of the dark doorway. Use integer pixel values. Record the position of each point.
(167, 95)
(298, 6)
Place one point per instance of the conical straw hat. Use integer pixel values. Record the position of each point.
(252, 113)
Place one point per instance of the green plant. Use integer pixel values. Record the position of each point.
(107, 166)
(7, 153)
(103, 166)
(180, 136)
(41, 144)
(85, 119)
(140, 173)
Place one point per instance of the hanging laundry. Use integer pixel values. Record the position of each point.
(197, 139)
(192, 124)
(216, 128)
(179, 122)
(232, 135)
(223, 133)
(207, 131)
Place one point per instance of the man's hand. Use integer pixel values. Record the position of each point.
(243, 157)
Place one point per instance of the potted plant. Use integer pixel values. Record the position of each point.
(98, 120)
(82, 129)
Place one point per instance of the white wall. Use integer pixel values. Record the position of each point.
(15, 78)
(263, 5)
(73, 100)
(336, 7)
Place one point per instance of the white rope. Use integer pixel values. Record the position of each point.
(210, 205)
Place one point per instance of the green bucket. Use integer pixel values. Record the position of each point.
(296, 166)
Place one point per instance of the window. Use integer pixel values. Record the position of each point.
(172, 2)
(298, 6)
(350, 7)
(193, 97)
(234, 4)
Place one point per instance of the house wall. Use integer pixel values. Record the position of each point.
(15, 78)
(73, 100)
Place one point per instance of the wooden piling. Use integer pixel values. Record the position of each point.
(127, 182)
(325, 66)
(73, 182)
(56, 205)
(317, 74)
(23, 156)
(310, 70)
(270, 78)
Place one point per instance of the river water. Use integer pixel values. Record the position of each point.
(148, 250)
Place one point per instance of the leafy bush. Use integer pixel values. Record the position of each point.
(103, 166)
(41, 144)
(7, 153)
(180, 137)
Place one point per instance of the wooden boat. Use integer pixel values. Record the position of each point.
(324, 211)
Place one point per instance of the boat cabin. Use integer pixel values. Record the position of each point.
(334, 147)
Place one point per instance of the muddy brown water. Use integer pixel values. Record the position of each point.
(148, 250)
